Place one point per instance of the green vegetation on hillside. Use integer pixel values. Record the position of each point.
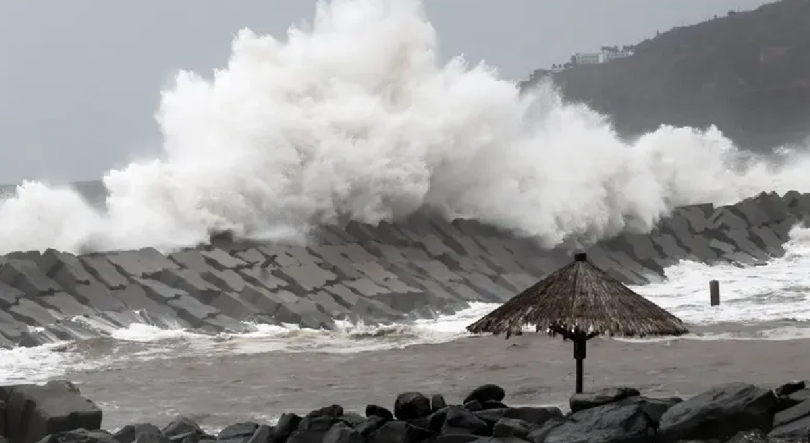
(748, 73)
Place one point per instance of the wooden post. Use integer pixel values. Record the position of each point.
(714, 292)
(580, 342)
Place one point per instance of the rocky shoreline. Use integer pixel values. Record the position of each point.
(56, 412)
(382, 274)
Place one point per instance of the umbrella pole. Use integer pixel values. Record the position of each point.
(579, 355)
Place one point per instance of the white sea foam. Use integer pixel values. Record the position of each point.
(355, 118)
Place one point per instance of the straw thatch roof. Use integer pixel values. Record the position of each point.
(580, 297)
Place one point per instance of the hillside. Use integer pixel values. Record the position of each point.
(748, 73)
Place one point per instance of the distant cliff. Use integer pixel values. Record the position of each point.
(748, 73)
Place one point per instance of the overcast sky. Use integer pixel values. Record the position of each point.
(80, 79)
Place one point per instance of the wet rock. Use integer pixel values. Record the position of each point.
(399, 432)
(140, 433)
(437, 402)
(585, 400)
(379, 411)
(181, 428)
(80, 436)
(32, 411)
(610, 423)
(486, 392)
(237, 432)
(287, 424)
(511, 427)
(461, 421)
(411, 405)
(720, 412)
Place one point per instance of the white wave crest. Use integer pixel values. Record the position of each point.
(356, 118)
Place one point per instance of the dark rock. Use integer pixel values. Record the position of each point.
(789, 388)
(492, 404)
(610, 423)
(263, 434)
(456, 438)
(491, 416)
(511, 427)
(720, 412)
(461, 421)
(320, 423)
(436, 419)
(352, 419)
(80, 436)
(140, 433)
(341, 433)
(486, 392)
(437, 402)
(585, 400)
(473, 406)
(370, 425)
(538, 434)
(379, 411)
(410, 405)
(794, 399)
(287, 424)
(238, 432)
(653, 407)
(797, 430)
(333, 411)
(180, 428)
(534, 415)
(399, 432)
(753, 436)
(32, 411)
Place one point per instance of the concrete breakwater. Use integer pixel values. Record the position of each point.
(378, 274)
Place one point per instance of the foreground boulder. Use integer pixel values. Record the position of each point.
(720, 413)
(586, 400)
(610, 423)
(33, 411)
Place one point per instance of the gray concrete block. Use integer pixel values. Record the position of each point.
(99, 267)
(233, 306)
(323, 237)
(227, 280)
(765, 236)
(444, 227)
(280, 255)
(641, 246)
(307, 278)
(798, 204)
(157, 291)
(69, 266)
(600, 258)
(222, 322)
(433, 245)
(744, 243)
(361, 231)
(26, 276)
(191, 259)
(337, 231)
(65, 304)
(773, 206)
(356, 253)
(97, 296)
(261, 300)
(134, 297)
(783, 228)
(9, 295)
(128, 263)
(190, 282)
(742, 258)
(518, 282)
(251, 256)
(31, 313)
(698, 216)
(498, 255)
(220, 259)
(725, 218)
(390, 234)
(669, 245)
(362, 306)
(375, 271)
(24, 255)
(488, 289)
(263, 276)
(436, 270)
(365, 287)
(335, 261)
(441, 295)
(463, 291)
(191, 310)
(751, 211)
(698, 246)
(330, 305)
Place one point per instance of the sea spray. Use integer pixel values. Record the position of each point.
(357, 119)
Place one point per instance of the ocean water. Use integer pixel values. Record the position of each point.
(353, 117)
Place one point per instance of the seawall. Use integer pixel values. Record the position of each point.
(384, 273)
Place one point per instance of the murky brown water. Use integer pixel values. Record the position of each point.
(218, 388)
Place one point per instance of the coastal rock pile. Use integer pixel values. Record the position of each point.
(734, 412)
(380, 274)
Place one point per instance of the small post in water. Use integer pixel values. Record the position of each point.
(714, 292)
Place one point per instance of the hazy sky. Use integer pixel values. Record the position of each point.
(80, 79)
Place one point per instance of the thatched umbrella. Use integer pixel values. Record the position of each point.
(580, 302)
